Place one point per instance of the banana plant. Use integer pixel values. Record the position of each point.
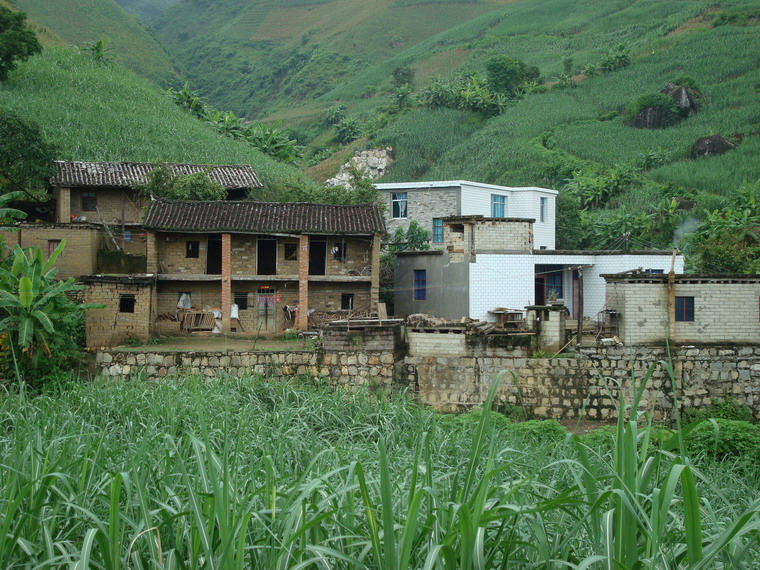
(31, 300)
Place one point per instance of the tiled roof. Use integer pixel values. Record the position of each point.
(128, 174)
(263, 217)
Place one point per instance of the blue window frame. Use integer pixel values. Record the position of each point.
(437, 230)
(398, 205)
(420, 284)
(498, 206)
(552, 277)
(684, 309)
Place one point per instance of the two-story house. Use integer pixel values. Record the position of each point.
(430, 202)
(253, 266)
(98, 208)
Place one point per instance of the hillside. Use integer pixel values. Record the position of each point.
(146, 10)
(97, 111)
(79, 22)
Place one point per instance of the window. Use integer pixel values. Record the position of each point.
(126, 303)
(52, 245)
(192, 249)
(684, 309)
(654, 271)
(89, 201)
(291, 252)
(437, 230)
(347, 301)
(339, 251)
(498, 206)
(127, 235)
(241, 300)
(398, 204)
(542, 209)
(420, 285)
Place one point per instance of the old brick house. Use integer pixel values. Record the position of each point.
(274, 261)
(98, 209)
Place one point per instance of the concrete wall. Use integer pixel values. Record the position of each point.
(447, 290)
(724, 311)
(80, 256)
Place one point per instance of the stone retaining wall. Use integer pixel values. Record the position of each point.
(342, 368)
(589, 383)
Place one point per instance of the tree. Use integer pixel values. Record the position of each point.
(26, 160)
(507, 74)
(163, 182)
(17, 41)
(402, 75)
(10, 213)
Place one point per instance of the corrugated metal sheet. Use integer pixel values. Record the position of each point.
(263, 217)
(128, 174)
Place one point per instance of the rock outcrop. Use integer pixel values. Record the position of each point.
(371, 163)
(711, 146)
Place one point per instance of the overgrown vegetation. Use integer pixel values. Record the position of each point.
(26, 159)
(163, 182)
(175, 473)
(17, 42)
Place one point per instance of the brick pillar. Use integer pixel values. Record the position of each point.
(62, 205)
(226, 281)
(303, 283)
(151, 252)
(374, 294)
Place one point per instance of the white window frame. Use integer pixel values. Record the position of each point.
(499, 200)
(402, 199)
(543, 204)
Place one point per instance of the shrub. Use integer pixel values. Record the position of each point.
(657, 100)
(541, 430)
(720, 409)
(722, 439)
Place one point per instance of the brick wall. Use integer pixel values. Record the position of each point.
(723, 311)
(112, 205)
(82, 244)
(112, 325)
(172, 253)
(503, 236)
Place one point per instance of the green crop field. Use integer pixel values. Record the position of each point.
(244, 473)
(95, 111)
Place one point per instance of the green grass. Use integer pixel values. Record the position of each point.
(82, 21)
(243, 473)
(102, 112)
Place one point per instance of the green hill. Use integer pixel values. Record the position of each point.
(146, 10)
(80, 22)
(97, 111)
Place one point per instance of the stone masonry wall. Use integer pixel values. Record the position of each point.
(341, 368)
(589, 383)
(422, 205)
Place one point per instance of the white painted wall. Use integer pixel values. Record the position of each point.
(506, 280)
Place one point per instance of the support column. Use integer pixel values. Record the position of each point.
(152, 252)
(302, 322)
(226, 281)
(374, 294)
(62, 205)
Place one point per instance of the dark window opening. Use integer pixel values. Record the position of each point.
(457, 228)
(52, 246)
(684, 309)
(654, 271)
(241, 300)
(214, 255)
(347, 301)
(548, 282)
(420, 285)
(266, 256)
(317, 255)
(291, 252)
(89, 201)
(339, 252)
(126, 303)
(192, 249)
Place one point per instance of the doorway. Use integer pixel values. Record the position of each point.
(266, 309)
(317, 255)
(214, 255)
(266, 256)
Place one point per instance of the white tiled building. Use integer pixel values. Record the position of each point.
(429, 202)
(487, 263)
